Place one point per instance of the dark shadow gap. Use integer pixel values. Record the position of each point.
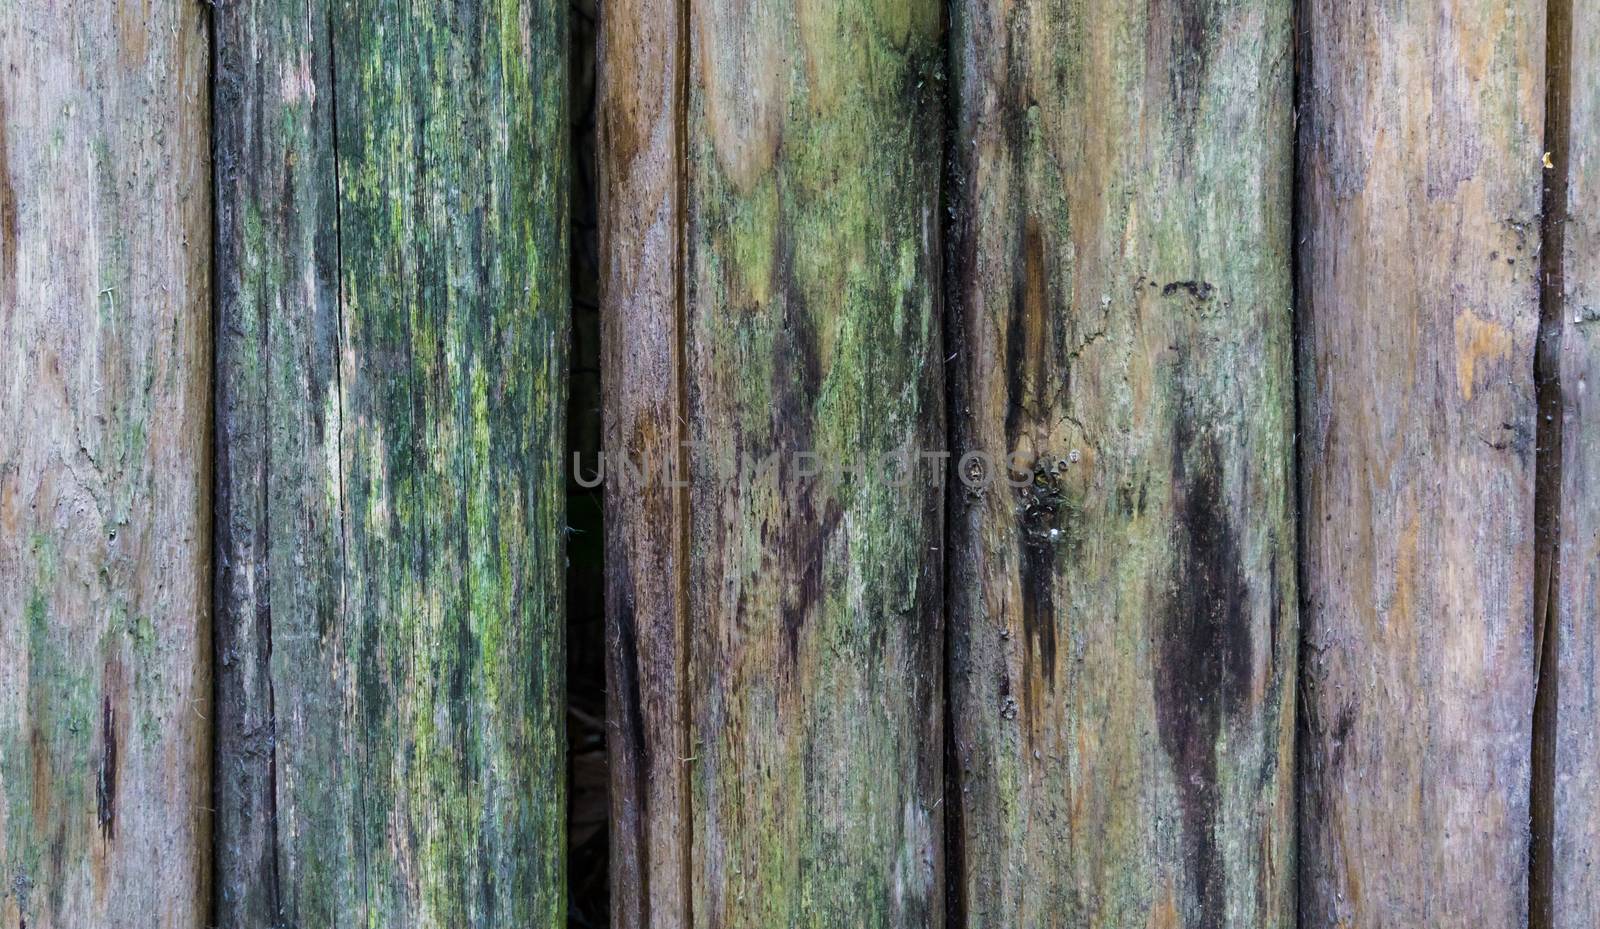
(952, 342)
(683, 499)
(588, 804)
(1547, 469)
(1300, 47)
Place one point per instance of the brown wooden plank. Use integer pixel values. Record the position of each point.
(1420, 171)
(772, 287)
(1570, 671)
(105, 671)
(1124, 636)
(641, 60)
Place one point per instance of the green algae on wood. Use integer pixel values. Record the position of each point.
(105, 666)
(1418, 303)
(794, 149)
(812, 323)
(1123, 634)
(392, 257)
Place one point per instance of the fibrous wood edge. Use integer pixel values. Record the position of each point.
(105, 339)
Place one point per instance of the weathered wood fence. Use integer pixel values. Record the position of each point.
(1068, 464)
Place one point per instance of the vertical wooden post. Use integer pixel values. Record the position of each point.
(278, 488)
(105, 671)
(1419, 234)
(773, 294)
(642, 53)
(392, 261)
(1568, 727)
(1123, 590)
(812, 324)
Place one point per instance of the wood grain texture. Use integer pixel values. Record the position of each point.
(278, 496)
(105, 671)
(1574, 885)
(641, 164)
(772, 290)
(1420, 147)
(392, 255)
(1123, 602)
(813, 324)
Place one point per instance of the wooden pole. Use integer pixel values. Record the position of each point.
(773, 293)
(1419, 230)
(1568, 725)
(641, 61)
(392, 255)
(105, 670)
(1123, 605)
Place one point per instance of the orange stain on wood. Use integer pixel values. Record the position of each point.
(1406, 569)
(1477, 340)
(1164, 915)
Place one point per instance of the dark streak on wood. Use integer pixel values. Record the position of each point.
(1204, 655)
(8, 219)
(1549, 458)
(105, 788)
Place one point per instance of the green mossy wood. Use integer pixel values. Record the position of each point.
(1123, 644)
(803, 308)
(105, 361)
(1573, 659)
(812, 323)
(392, 267)
(1419, 223)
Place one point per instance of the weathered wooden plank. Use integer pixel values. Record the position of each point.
(392, 260)
(1420, 169)
(641, 60)
(773, 290)
(813, 324)
(1123, 612)
(1572, 888)
(278, 516)
(105, 671)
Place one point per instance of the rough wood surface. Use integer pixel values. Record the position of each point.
(392, 255)
(277, 413)
(794, 152)
(1123, 613)
(641, 62)
(1574, 880)
(812, 138)
(105, 671)
(1420, 148)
